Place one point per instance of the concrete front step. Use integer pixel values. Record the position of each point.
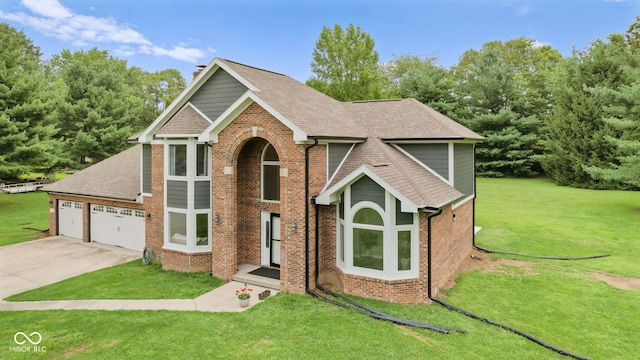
(243, 276)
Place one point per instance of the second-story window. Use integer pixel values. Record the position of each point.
(202, 160)
(270, 174)
(178, 160)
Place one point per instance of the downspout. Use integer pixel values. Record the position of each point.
(317, 232)
(437, 213)
(475, 194)
(306, 215)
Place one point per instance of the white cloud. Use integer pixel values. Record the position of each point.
(47, 8)
(538, 44)
(523, 10)
(51, 18)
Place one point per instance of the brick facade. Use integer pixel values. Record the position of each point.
(155, 204)
(452, 242)
(236, 208)
(236, 195)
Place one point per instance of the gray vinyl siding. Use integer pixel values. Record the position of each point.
(202, 195)
(146, 168)
(435, 156)
(463, 167)
(402, 218)
(366, 189)
(177, 194)
(337, 152)
(217, 94)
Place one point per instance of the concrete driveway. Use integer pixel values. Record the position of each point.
(36, 263)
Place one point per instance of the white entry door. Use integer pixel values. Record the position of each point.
(70, 219)
(270, 236)
(118, 226)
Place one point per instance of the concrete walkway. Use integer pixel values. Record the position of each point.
(33, 264)
(222, 299)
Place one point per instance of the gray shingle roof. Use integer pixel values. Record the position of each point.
(401, 173)
(317, 114)
(117, 177)
(187, 121)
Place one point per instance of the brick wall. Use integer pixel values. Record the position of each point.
(155, 204)
(177, 260)
(452, 241)
(236, 195)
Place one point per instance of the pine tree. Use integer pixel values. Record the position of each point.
(576, 134)
(27, 127)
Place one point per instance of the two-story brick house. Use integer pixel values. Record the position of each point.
(249, 166)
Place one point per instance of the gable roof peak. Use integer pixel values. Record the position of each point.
(253, 67)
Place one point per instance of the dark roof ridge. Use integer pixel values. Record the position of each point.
(374, 100)
(253, 67)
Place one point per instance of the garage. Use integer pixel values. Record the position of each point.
(118, 226)
(70, 219)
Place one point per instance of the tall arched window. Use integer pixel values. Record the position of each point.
(270, 174)
(368, 239)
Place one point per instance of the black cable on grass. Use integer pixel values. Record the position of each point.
(513, 330)
(540, 256)
(383, 315)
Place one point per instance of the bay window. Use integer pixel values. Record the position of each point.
(187, 196)
(375, 238)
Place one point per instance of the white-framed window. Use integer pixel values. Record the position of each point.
(202, 229)
(202, 160)
(376, 242)
(178, 160)
(187, 224)
(367, 229)
(270, 174)
(177, 228)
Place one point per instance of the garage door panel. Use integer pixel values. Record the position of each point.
(70, 219)
(118, 226)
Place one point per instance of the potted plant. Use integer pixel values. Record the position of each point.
(244, 296)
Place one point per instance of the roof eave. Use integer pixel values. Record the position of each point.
(406, 140)
(110, 198)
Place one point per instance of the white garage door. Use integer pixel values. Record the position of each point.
(70, 219)
(118, 226)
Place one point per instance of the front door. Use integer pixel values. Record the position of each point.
(270, 239)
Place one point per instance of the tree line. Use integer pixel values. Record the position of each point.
(75, 108)
(575, 119)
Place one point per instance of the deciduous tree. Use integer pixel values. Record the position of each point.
(345, 64)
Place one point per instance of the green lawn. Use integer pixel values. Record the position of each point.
(127, 281)
(556, 301)
(18, 211)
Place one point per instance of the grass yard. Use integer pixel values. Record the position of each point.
(126, 281)
(18, 211)
(559, 302)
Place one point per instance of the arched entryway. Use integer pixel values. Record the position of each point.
(259, 204)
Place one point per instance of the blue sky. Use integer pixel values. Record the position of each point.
(281, 35)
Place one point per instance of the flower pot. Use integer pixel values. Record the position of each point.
(244, 302)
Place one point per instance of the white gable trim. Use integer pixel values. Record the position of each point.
(332, 194)
(335, 172)
(210, 134)
(147, 135)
